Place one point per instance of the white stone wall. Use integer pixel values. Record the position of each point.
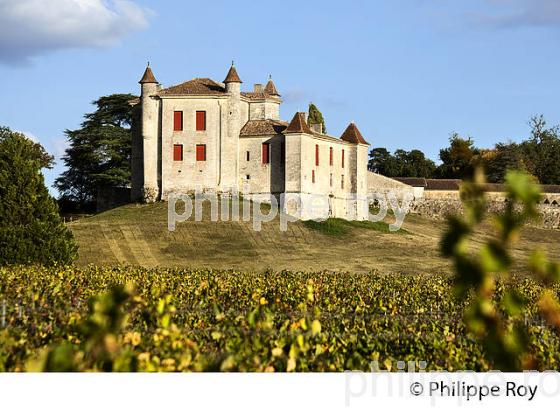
(263, 178)
(264, 110)
(328, 192)
(150, 142)
(186, 175)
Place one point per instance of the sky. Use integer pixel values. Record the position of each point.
(407, 72)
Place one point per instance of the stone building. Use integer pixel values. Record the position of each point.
(203, 134)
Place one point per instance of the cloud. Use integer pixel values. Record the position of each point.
(32, 27)
(519, 13)
(54, 146)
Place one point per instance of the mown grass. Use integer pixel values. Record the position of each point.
(338, 226)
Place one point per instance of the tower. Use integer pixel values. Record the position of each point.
(230, 145)
(150, 112)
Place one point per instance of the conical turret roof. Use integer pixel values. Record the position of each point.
(353, 134)
(298, 125)
(148, 76)
(270, 88)
(232, 76)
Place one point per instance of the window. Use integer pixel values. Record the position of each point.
(330, 180)
(330, 156)
(248, 155)
(342, 182)
(178, 121)
(317, 154)
(201, 120)
(313, 176)
(248, 176)
(342, 158)
(177, 152)
(201, 152)
(265, 153)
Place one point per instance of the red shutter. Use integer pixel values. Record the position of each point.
(178, 121)
(201, 152)
(330, 155)
(201, 120)
(313, 176)
(342, 158)
(177, 152)
(317, 154)
(265, 153)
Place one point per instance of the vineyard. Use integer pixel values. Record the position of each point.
(129, 319)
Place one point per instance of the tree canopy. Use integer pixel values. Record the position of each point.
(401, 164)
(99, 152)
(31, 230)
(316, 117)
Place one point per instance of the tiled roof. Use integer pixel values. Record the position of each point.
(415, 182)
(148, 76)
(270, 89)
(298, 125)
(263, 127)
(443, 184)
(353, 134)
(197, 86)
(232, 76)
(253, 96)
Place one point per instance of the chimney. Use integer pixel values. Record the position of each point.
(318, 128)
(258, 88)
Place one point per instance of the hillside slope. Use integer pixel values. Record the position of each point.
(138, 235)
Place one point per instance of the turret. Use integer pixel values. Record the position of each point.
(150, 112)
(230, 146)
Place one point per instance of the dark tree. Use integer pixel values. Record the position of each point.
(316, 117)
(459, 159)
(402, 164)
(504, 157)
(99, 152)
(31, 230)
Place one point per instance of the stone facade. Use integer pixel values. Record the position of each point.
(246, 148)
(439, 204)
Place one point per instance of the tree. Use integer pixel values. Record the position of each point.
(503, 158)
(31, 230)
(459, 159)
(542, 151)
(316, 117)
(402, 164)
(99, 152)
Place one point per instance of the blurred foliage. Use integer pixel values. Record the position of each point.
(494, 313)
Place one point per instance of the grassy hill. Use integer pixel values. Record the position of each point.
(138, 235)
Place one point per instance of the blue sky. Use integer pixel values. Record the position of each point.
(408, 72)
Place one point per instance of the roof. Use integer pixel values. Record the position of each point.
(253, 96)
(263, 127)
(443, 184)
(298, 125)
(270, 88)
(232, 76)
(353, 134)
(415, 182)
(148, 76)
(196, 86)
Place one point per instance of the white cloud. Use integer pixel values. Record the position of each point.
(520, 13)
(32, 27)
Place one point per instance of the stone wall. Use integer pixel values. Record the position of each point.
(439, 204)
